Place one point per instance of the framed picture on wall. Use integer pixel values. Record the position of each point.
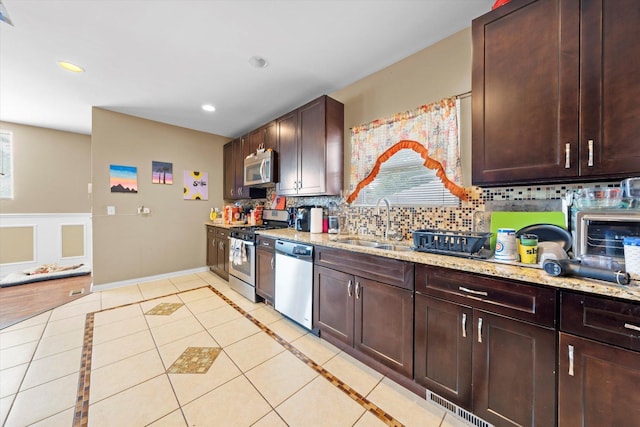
(123, 179)
(195, 185)
(161, 173)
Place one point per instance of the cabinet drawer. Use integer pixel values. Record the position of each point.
(222, 233)
(614, 322)
(386, 270)
(515, 299)
(266, 243)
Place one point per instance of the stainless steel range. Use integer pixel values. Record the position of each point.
(242, 252)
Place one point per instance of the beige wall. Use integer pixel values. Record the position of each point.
(172, 238)
(439, 71)
(51, 171)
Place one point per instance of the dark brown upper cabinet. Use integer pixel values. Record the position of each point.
(555, 92)
(311, 148)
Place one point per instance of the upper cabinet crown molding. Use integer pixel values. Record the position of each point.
(555, 92)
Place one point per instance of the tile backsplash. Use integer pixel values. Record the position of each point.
(364, 219)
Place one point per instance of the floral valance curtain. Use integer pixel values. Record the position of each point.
(435, 126)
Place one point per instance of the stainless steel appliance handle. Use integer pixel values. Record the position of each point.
(246, 242)
(570, 347)
(632, 327)
(471, 291)
(480, 330)
(464, 325)
(263, 165)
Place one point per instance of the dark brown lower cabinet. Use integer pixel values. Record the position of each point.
(476, 345)
(598, 371)
(373, 317)
(266, 268)
(598, 384)
(218, 251)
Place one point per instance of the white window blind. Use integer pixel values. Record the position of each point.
(6, 165)
(405, 181)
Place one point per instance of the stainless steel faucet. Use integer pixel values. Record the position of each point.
(386, 228)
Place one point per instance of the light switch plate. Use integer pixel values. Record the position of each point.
(111, 210)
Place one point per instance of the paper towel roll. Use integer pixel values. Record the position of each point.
(316, 220)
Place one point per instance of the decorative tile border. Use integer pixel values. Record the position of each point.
(81, 416)
(164, 309)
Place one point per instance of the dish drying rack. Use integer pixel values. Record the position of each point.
(468, 244)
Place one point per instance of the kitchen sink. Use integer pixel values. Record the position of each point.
(376, 245)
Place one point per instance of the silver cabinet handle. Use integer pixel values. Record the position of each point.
(567, 155)
(357, 290)
(464, 325)
(632, 327)
(349, 285)
(273, 262)
(590, 161)
(480, 330)
(570, 360)
(231, 191)
(471, 291)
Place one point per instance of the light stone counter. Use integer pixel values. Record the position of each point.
(489, 268)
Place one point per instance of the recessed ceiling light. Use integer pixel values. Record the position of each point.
(258, 62)
(208, 107)
(71, 67)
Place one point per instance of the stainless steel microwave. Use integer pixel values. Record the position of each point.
(598, 233)
(259, 169)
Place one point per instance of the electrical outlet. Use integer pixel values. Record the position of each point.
(111, 210)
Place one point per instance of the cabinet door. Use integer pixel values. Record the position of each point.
(513, 371)
(312, 143)
(223, 255)
(287, 131)
(384, 324)
(597, 384)
(269, 138)
(525, 92)
(443, 342)
(212, 252)
(241, 150)
(333, 304)
(265, 274)
(229, 165)
(609, 90)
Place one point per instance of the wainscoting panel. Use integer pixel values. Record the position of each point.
(30, 240)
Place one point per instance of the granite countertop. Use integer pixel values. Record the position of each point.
(489, 268)
(221, 225)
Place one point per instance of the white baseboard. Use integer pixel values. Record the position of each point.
(112, 285)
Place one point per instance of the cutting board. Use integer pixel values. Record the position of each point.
(517, 220)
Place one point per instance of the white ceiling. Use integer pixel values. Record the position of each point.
(162, 59)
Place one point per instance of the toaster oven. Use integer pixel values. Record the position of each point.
(598, 234)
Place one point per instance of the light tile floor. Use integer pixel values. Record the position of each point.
(256, 380)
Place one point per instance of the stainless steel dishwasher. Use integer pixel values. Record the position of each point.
(294, 281)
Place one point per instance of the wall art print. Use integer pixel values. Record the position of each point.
(195, 185)
(162, 172)
(123, 179)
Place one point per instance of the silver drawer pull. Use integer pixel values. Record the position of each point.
(590, 159)
(471, 291)
(632, 327)
(464, 325)
(480, 330)
(357, 290)
(349, 285)
(570, 360)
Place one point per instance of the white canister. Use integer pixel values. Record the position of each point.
(506, 245)
(632, 256)
(316, 220)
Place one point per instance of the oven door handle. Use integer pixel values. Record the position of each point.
(246, 242)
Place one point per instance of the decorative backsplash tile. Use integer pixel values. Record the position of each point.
(365, 220)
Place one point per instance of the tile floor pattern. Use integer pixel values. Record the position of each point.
(100, 360)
